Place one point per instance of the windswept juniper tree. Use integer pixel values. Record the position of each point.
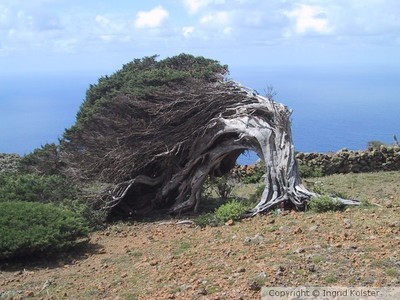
(152, 132)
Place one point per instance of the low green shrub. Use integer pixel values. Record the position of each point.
(324, 204)
(232, 210)
(28, 228)
(222, 186)
(206, 219)
(48, 189)
(35, 188)
(306, 171)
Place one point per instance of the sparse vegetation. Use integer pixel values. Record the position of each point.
(223, 186)
(307, 171)
(150, 260)
(233, 210)
(324, 204)
(206, 219)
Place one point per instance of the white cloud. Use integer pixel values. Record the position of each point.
(151, 19)
(309, 18)
(5, 17)
(187, 31)
(219, 18)
(66, 45)
(227, 30)
(193, 6)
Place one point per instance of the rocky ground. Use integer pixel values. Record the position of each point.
(165, 260)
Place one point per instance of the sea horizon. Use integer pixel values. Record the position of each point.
(332, 108)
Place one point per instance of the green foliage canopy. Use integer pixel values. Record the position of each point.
(142, 77)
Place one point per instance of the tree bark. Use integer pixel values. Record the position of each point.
(155, 151)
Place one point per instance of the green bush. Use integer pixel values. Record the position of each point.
(49, 189)
(306, 171)
(35, 188)
(232, 210)
(35, 228)
(324, 204)
(223, 186)
(206, 219)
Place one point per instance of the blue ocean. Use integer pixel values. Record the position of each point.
(333, 107)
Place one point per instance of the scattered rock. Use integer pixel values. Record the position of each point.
(28, 294)
(258, 239)
(347, 223)
(280, 271)
(257, 282)
(153, 263)
(300, 250)
(311, 268)
(202, 291)
(230, 222)
(298, 230)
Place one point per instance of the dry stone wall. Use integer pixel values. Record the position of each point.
(345, 161)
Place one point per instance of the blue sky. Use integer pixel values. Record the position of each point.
(312, 51)
(72, 35)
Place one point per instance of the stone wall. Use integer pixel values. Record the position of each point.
(345, 161)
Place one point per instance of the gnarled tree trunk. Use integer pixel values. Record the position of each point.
(250, 122)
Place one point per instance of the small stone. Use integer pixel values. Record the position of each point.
(255, 286)
(153, 263)
(393, 225)
(389, 205)
(230, 222)
(347, 224)
(241, 270)
(29, 294)
(297, 230)
(202, 291)
(300, 250)
(124, 275)
(311, 268)
(280, 270)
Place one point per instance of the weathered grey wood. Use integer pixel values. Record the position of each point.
(154, 152)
